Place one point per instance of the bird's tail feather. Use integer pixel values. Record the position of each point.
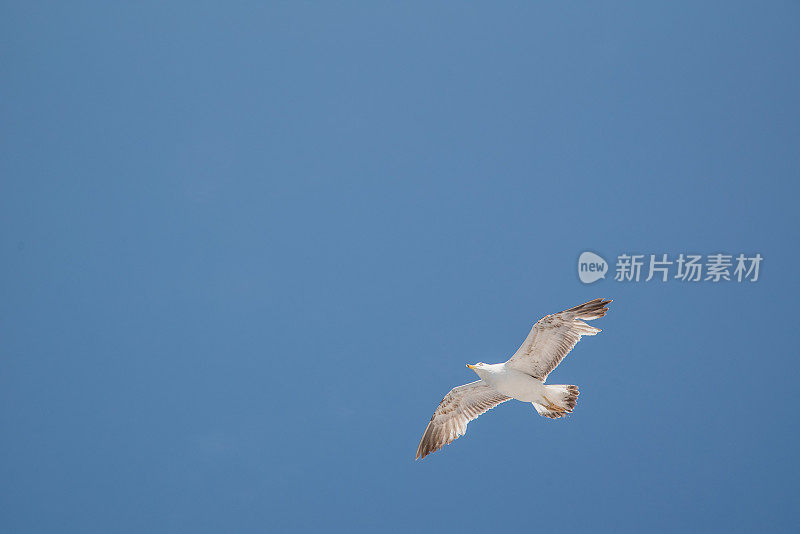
(562, 400)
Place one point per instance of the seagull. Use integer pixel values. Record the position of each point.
(521, 377)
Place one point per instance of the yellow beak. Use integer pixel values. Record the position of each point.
(471, 366)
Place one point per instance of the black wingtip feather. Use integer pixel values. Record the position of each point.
(594, 309)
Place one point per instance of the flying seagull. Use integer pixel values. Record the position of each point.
(521, 377)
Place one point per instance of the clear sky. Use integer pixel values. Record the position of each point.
(248, 246)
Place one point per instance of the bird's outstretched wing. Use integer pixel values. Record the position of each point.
(459, 407)
(553, 336)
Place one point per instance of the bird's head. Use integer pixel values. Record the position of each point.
(477, 367)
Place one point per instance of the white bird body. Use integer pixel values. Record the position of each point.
(512, 383)
(522, 377)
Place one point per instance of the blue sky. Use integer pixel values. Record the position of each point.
(247, 248)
